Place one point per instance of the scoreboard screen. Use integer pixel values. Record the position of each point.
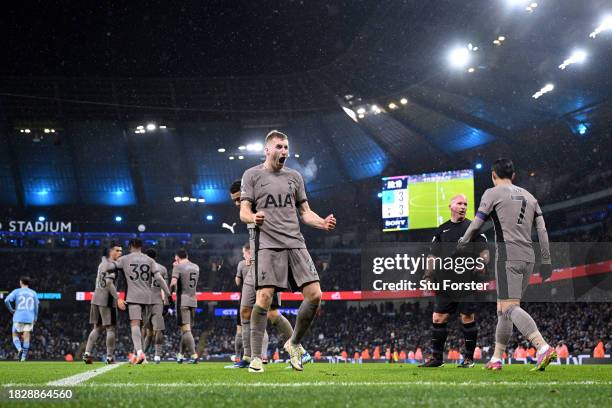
(421, 201)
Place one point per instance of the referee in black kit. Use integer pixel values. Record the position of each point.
(446, 303)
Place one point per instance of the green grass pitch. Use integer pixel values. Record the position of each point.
(429, 201)
(322, 384)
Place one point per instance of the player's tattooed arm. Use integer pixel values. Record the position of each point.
(311, 218)
(248, 216)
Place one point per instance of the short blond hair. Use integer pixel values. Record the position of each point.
(275, 134)
(457, 197)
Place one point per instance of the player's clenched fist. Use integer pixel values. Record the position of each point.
(330, 223)
(259, 218)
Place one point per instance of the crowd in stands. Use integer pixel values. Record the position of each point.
(339, 331)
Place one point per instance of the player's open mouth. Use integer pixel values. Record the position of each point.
(282, 159)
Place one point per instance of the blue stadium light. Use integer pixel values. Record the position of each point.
(478, 166)
(41, 219)
(209, 217)
(582, 129)
(379, 195)
(43, 192)
(118, 218)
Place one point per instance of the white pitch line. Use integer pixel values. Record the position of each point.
(81, 377)
(344, 384)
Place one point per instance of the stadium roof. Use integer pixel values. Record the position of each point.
(221, 76)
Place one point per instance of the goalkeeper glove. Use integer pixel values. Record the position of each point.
(545, 271)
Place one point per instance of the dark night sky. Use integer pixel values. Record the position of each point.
(168, 39)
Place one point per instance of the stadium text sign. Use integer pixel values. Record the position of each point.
(38, 226)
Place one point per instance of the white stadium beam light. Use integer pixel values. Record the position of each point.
(604, 25)
(351, 113)
(577, 57)
(546, 89)
(151, 127)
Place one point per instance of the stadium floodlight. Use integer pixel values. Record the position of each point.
(254, 147)
(163, 127)
(141, 127)
(118, 218)
(478, 166)
(231, 157)
(241, 147)
(177, 199)
(47, 130)
(193, 200)
(471, 69)
(221, 150)
(582, 129)
(201, 200)
(185, 199)
(605, 25)
(514, 3)
(361, 111)
(240, 157)
(546, 89)
(209, 217)
(41, 218)
(577, 57)
(52, 130)
(151, 127)
(361, 116)
(27, 130)
(379, 195)
(297, 156)
(403, 101)
(392, 105)
(459, 57)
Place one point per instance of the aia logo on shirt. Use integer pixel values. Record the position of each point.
(278, 201)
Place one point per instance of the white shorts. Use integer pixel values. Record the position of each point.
(23, 327)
